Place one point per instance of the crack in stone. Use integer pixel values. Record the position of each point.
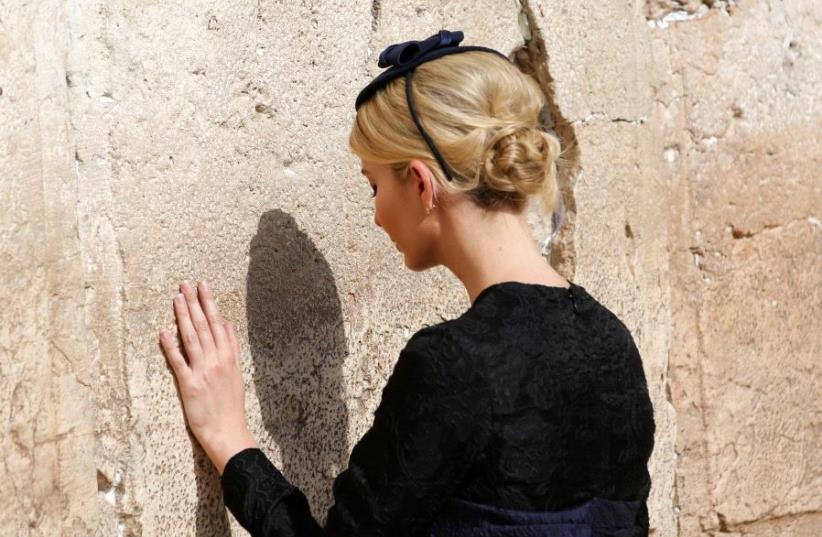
(602, 115)
(740, 233)
(376, 13)
(742, 526)
(532, 59)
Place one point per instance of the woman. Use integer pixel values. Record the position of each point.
(528, 414)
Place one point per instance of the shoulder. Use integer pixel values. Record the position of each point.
(428, 353)
(607, 321)
(617, 337)
(442, 342)
(433, 361)
(426, 339)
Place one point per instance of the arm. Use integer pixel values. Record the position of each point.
(429, 426)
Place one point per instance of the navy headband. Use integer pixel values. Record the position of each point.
(402, 58)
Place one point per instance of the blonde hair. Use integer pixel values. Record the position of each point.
(483, 114)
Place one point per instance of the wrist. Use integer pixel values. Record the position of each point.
(221, 449)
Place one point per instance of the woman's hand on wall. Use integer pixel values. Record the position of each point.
(210, 379)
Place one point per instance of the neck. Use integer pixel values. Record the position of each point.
(482, 248)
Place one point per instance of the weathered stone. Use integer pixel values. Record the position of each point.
(143, 145)
(739, 118)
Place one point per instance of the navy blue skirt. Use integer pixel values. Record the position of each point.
(597, 517)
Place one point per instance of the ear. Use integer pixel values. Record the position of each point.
(423, 182)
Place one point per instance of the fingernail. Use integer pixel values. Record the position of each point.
(179, 297)
(205, 285)
(184, 284)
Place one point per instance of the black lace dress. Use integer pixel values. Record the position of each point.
(527, 415)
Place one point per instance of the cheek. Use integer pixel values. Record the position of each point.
(382, 209)
(378, 210)
(387, 213)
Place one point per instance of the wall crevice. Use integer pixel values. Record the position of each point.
(533, 59)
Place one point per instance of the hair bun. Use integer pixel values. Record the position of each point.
(521, 159)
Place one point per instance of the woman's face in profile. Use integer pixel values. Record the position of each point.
(397, 209)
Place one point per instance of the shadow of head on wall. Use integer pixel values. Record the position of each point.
(298, 346)
(297, 343)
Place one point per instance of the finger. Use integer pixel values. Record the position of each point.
(232, 339)
(198, 319)
(175, 358)
(188, 334)
(206, 298)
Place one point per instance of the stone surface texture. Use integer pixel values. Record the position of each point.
(144, 143)
(738, 118)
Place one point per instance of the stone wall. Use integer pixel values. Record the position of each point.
(144, 143)
(738, 116)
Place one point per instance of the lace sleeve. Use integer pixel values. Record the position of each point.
(432, 421)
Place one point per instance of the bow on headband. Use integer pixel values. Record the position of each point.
(402, 59)
(401, 53)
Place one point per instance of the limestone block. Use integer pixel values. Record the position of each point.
(143, 144)
(740, 118)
